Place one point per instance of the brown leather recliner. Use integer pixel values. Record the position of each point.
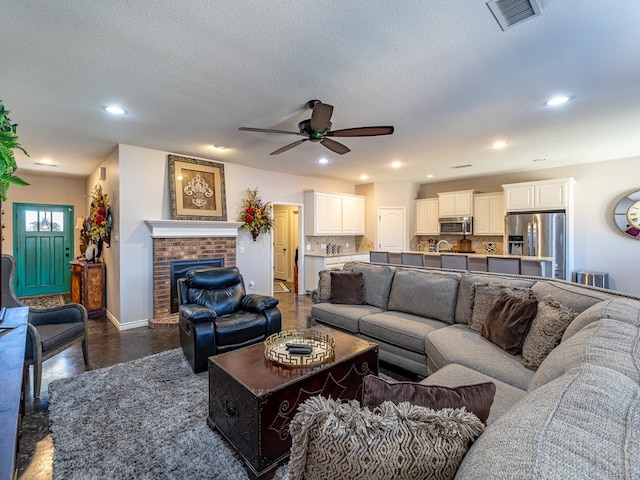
(216, 315)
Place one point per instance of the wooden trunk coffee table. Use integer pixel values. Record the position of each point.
(252, 400)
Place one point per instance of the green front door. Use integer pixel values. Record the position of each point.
(42, 247)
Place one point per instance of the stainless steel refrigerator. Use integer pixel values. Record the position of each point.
(538, 234)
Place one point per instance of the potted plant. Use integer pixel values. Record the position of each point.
(8, 166)
(8, 143)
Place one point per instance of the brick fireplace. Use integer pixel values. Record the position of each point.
(177, 240)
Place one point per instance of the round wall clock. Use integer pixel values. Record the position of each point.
(626, 215)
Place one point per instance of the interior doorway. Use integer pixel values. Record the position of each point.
(287, 230)
(391, 229)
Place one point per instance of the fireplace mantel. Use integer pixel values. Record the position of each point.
(191, 228)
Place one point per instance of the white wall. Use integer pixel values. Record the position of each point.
(392, 194)
(598, 245)
(144, 194)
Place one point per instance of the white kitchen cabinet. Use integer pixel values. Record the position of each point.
(554, 194)
(488, 214)
(314, 264)
(333, 214)
(352, 215)
(427, 217)
(456, 204)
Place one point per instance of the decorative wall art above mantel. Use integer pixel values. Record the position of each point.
(197, 189)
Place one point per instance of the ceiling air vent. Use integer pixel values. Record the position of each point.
(509, 13)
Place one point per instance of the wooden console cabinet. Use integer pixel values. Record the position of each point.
(88, 286)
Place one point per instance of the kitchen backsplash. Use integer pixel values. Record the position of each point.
(349, 244)
(478, 242)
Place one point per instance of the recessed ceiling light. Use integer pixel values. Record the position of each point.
(364, 177)
(559, 100)
(499, 144)
(396, 164)
(115, 110)
(221, 148)
(323, 161)
(430, 175)
(539, 159)
(46, 162)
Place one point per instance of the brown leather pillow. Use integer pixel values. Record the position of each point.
(347, 288)
(508, 321)
(476, 398)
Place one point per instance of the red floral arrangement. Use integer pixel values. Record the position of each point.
(255, 214)
(98, 223)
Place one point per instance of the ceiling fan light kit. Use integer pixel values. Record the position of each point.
(318, 128)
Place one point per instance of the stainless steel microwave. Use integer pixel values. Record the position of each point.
(456, 226)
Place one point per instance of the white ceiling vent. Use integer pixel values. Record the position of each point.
(509, 13)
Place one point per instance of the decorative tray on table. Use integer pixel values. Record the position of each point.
(299, 348)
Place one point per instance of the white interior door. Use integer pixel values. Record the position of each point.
(391, 228)
(281, 240)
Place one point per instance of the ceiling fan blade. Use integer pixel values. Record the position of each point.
(321, 116)
(361, 132)
(266, 130)
(288, 147)
(335, 146)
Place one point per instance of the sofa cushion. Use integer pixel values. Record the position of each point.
(377, 282)
(345, 317)
(454, 375)
(584, 424)
(332, 440)
(508, 321)
(607, 343)
(415, 362)
(425, 293)
(399, 328)
(546, 331)
(482, 297)
(576, 297)
(464, 304)
(623, 309)
(347, 288)
(476, 398)
(458, 344)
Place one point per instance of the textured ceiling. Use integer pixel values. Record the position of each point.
(443, 73)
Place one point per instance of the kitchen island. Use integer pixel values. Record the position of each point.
(478, 262)
(314, 262)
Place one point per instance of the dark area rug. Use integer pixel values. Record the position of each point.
(144, 419)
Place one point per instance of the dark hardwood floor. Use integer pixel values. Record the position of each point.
(109, 346)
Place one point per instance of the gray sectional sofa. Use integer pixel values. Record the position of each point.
(576, 416)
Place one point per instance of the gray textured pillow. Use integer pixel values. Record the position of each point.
(324, 286)
(333, 440)
(546, 331)
(482, 297)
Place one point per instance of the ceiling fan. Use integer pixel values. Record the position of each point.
(318, 129)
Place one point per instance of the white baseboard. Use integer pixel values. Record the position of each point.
(126, 326)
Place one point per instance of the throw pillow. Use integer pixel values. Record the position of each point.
(481, 300)
(508, 321)
(332, 440)
(475, 398)
(323, 294)
(546, 331)
(347, 288)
